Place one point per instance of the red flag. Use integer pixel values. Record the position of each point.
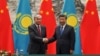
(98, 41)
(48, 20)
(89, 28)
(6, 40)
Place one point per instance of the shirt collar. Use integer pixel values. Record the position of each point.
(63, 25)
(37, 25)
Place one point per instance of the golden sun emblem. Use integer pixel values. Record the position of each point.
(22, 23)
(72, 20)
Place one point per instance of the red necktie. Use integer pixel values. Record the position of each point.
(39, 29)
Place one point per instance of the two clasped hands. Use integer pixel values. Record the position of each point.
(45, 40)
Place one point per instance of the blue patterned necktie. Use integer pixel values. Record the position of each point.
(61, 30)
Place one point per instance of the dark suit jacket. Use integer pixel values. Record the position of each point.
(65, 41)
(36, 44)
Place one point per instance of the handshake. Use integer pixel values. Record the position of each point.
(45, 40)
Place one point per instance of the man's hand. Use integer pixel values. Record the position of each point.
(45, 40)
(71, 51)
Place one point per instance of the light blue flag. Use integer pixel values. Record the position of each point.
(20, 27)
(70, 11)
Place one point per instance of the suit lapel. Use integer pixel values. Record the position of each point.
(65, 30)
(58, 31)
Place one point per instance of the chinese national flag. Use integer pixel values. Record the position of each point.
(6, 39)
(89, 28)
(48, 20)
(98, 41)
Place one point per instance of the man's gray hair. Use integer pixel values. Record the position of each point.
(38, 16)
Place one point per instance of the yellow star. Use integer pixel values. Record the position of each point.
(1, 11)
(7, 7)
(86, 11)
(92, 12)
(52, 9)
(41, 12)
(47, 13)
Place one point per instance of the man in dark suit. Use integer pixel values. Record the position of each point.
(65, 36)
(37, 34)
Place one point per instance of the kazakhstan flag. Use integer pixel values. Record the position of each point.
(70, 11)
(20, 27)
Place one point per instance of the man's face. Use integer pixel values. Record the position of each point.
(62, 20)
(37, 20)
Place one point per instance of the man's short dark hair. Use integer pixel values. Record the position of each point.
(63, 16)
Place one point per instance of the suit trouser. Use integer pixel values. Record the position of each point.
(40, 51)
(62, 51)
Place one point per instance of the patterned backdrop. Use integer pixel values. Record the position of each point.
(57, 4)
